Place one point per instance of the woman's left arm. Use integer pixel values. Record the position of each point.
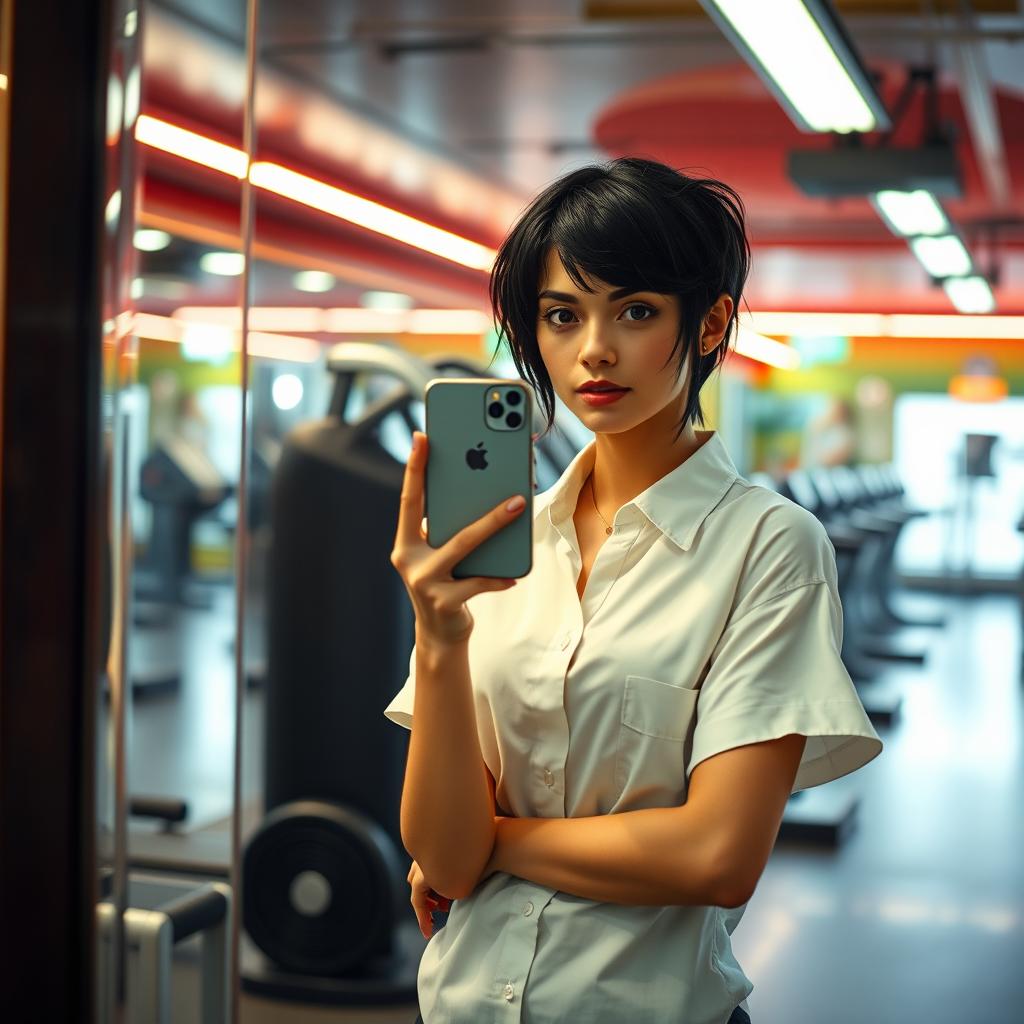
(710, 851)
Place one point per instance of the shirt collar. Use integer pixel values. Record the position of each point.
(677, 504)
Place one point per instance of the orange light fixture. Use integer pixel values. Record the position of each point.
(976, 388)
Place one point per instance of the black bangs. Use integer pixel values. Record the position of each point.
(631, 222)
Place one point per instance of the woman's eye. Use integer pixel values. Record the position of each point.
(643, 309)
(554, 312)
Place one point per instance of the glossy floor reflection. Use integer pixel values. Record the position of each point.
(918, 917)
(182, 739)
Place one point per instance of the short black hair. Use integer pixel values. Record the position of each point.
(629, 222)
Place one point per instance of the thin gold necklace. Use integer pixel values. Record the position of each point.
(593, 498)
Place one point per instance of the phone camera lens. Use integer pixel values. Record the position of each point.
(513, 419)
(513, 398)
(495, 410)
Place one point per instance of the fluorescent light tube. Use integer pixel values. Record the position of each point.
(887, 325)
(971, 295)
(911, 213)
(227, 264)
(340, 320)
(190, 146)
(317, 194)
(267, 346)
(766, 350)
(807, 60)
(151, 239)
(370, 215)
(942, 256)
(385, 300)
(314, 281)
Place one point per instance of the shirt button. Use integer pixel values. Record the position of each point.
(509, 992)
(549, 779)
(565, 640)
(528, 910)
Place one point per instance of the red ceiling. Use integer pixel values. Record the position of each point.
(725, 120)
(816, 253)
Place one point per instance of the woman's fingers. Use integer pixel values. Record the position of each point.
(442, 902)
(425, 899)
(410, 503)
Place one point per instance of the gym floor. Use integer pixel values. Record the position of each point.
(919, 916)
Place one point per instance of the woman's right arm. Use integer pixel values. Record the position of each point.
(447, 814)
(448, 809)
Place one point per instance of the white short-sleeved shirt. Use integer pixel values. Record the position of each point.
(710, 620)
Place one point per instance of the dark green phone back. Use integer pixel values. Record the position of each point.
(456, 494)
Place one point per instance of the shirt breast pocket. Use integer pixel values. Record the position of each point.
(655, 739)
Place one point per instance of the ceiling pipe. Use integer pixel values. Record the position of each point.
(979, 102)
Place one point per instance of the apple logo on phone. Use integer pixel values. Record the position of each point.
(476, 458)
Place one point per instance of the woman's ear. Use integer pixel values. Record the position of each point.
(715, 323)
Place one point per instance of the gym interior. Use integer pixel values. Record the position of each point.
(240, 238)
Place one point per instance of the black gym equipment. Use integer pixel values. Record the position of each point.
(883, 484)
(1020, 594)
(182, 484)
(335, 916)
(826, 815)
(862, 650)
(878, 584)
(881, 702)
(872, 566)
(325, 892)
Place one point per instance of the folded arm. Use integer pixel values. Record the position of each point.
(710, 851)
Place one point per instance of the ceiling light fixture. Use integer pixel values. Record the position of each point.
(190, 146)
(310, 192)
(370, 215)
(385, 300)
(341, 320)
(226, 264)
(942, 255)
(886, 325)
(970, 294)
(314, 281)
(909, 214)
(262, 344)
(151, 239)
(766, 350)
(805, 57)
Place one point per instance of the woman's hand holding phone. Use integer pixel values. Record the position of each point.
(439, 600)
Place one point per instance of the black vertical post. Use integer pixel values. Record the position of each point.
(49, 517)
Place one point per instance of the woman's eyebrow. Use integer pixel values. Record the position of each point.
(619, 293)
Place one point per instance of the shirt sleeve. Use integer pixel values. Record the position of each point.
(776, 670)
(399, 710)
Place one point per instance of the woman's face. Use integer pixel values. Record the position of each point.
(626, 339)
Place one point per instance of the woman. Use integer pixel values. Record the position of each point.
(644, 701)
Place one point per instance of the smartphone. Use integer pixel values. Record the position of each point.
(480, 451)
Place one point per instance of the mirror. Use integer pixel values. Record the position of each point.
(172, 432)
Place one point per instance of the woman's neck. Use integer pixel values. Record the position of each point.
(625, 466)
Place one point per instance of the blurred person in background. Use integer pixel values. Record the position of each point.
(831, 437)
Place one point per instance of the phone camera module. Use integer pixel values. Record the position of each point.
(499, 415)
